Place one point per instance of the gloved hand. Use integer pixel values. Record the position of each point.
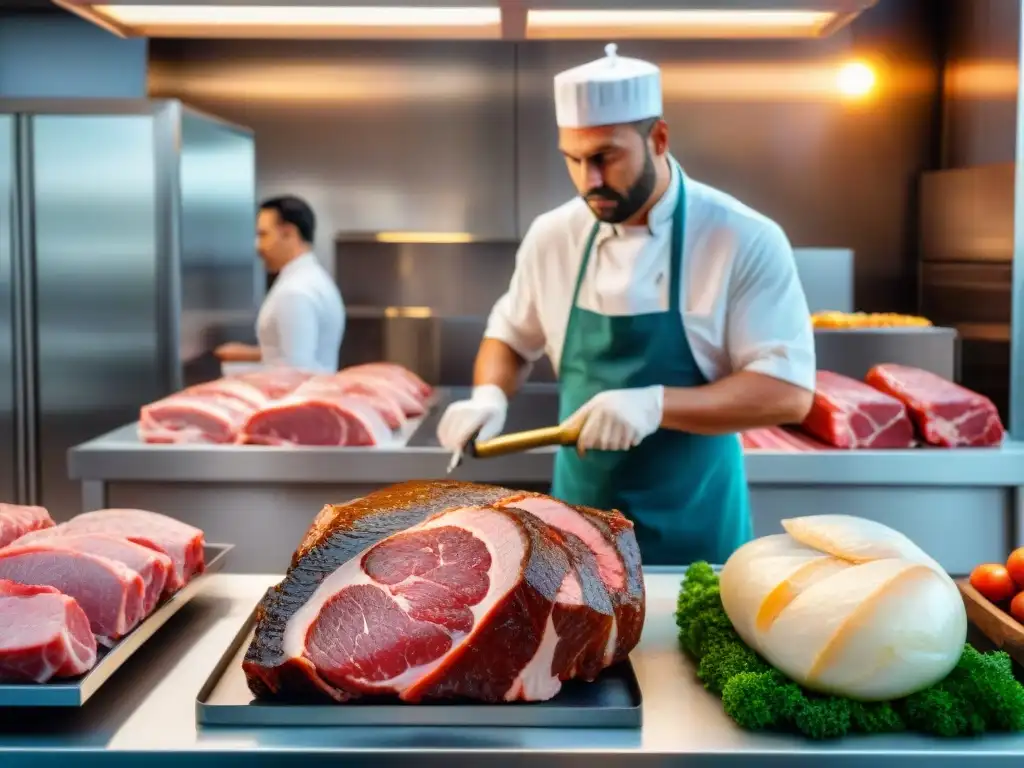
(619, 419)
(485, 411)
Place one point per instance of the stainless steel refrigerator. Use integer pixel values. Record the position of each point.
(126, 242)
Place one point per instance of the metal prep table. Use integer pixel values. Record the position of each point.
(962, 506)
(145, 715)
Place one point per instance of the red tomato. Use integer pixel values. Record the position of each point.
(994, 582)
(1017, 607)
(1015, 565)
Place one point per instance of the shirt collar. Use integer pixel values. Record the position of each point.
(660, 217)
(297, 263)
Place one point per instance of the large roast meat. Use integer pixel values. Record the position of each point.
(440, 590)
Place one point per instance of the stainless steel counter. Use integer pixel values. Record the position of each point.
(145, 715)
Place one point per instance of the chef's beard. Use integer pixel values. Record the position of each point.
(628, 204)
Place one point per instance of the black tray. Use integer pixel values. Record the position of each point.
(611, 701)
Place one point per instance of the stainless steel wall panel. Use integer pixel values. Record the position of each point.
(967, 214)
(980, 83)
(377, 136)
(220, 277)
(8, 439)
(96, 264)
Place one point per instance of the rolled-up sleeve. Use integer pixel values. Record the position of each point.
(769, 326)
(297, 328)
(515, 319)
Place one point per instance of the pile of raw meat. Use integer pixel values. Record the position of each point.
(363, 405)
(447, 590)
(67, 589)
(896, 406)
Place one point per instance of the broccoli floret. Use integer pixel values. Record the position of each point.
(979, 694)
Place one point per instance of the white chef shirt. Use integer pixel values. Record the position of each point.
(302, 320)
(742, 304)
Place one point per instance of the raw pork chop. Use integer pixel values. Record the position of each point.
(394, 387)
(276, 381)
(111, 594)
(317, 418)
(181, 542)
(780, 439)
(392, 370)
(16, 521)
(154, 567)
(849, 414)
(945, 413)
(450, 594)
(193, 418)
(43, 634)
(380, 398)
(246, 393)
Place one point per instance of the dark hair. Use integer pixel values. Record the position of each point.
(293, 210)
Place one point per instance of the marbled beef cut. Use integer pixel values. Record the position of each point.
(436, 590)
(850, 414)
(945, 413)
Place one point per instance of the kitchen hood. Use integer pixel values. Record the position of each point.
(471, 19)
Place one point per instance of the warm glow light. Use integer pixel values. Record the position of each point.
(316, 21)
(424, 237)
(583, 24)
(855, 79)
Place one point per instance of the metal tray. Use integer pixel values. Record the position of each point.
(611, 701)
(74, 693)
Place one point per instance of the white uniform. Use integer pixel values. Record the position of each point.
(302, 320)
(742, 303)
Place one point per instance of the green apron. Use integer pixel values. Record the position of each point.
(686, 494)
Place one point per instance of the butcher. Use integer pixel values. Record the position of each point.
(671, 312)
(302, 321)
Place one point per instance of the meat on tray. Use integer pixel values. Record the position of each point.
(945, 413)
(780, 439)
(44, 634)
(105, 571)
(17, 520)
(359, 406)
(851, 414)
(441, 590)
(179, 541)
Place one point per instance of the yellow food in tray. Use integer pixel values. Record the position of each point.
(856, 320)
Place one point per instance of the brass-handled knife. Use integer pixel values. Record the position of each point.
(516, 442)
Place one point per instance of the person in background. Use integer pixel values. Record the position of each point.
(302, 321)
(672, 312)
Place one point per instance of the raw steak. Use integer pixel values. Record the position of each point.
(945, 413)
(16, 521)
(453, 591)
(155, 568)
(392, 370)
(317, 418)
(378, 380)
(181, 542)
(111, 594)
(246, 393)
(850, 414)
(275, 382)
(43, 634)
(380, 398)
(780, 439)
(193, 418)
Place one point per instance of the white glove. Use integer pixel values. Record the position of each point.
(485, 411)
(619, 419)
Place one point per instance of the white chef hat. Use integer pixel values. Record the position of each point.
(609, 91)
